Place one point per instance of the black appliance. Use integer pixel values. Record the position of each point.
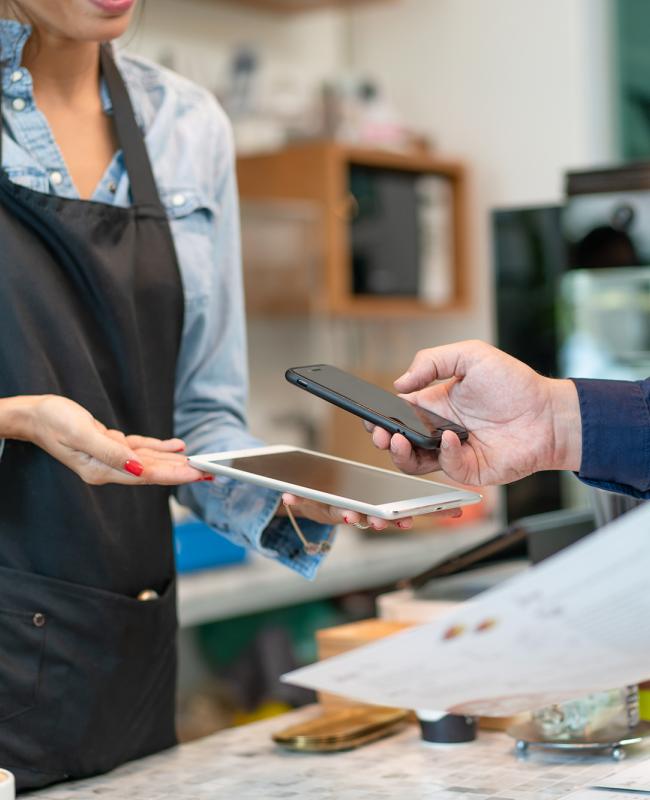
(606, 220)
(529, 255)
(385, 231)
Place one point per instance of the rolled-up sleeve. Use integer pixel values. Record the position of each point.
(615, 435)
(211, 391)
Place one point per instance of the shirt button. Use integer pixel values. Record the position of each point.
(18, 104)
(38, 619)
(112, 187)
(178, 200)
(56, 178)
(16, 76)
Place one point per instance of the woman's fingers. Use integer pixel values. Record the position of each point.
(161, 455)
(100, 455)
(331, 515)
(164, 469)
(377, 523)
(146, 467)
(95, 444)
(135, 442)
(319, 512)
(163, 445)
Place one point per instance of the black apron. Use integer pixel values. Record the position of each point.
(91, 308)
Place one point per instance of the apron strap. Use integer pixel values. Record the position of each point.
(138, 166)
(136, 158)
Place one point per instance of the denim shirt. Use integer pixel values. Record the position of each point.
(190, 145)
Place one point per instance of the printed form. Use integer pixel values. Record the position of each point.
(577, 623)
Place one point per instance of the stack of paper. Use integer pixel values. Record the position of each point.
(578, 622)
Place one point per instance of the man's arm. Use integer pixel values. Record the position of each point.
(520, 422)
(615, 418)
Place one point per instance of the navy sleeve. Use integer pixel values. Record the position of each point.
(615, 435)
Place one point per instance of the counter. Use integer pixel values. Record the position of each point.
(357, 561)
(244, 764)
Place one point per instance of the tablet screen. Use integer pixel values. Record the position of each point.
(317, 472)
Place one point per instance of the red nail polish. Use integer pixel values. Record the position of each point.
(207, 478)
(180, 449)
(134, 467)
(346, 519)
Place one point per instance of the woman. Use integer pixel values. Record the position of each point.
(117, 337)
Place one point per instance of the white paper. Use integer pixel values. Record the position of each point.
(576, 623)
(635, 778)
(600, 794)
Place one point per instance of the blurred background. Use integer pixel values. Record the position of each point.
(411, 172)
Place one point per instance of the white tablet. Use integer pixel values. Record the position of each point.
(336, 481)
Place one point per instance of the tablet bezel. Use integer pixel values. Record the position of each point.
(453, 498)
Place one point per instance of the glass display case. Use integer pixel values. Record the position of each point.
(604, 323)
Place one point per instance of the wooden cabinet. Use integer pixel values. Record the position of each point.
(317, 174)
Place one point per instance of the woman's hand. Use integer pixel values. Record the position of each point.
(331, 515)
(518, 421)
(69, 433)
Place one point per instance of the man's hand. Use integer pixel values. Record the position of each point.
(518, 421)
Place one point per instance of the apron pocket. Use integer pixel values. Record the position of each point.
(22, 637)
(105, 690)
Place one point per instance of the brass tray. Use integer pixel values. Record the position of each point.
(342, 729)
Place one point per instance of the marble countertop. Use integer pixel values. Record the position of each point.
(244, 763)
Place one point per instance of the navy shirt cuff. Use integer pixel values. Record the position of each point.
(615, 435)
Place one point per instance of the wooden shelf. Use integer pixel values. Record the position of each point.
(318, 173)
(299, 6)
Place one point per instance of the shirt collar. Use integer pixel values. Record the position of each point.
(13, 36)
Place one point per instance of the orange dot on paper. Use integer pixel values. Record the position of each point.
(486, 625)
(454, 632)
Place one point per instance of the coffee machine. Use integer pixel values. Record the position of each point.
(604, 296)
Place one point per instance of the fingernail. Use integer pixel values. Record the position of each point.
(207, 478)
(401, 377)
(346, 519)
(444, 444)
(134, 467)
(180, 449)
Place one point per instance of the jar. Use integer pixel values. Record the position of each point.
(616, 709)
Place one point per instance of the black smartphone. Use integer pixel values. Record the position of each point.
(422, 428)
